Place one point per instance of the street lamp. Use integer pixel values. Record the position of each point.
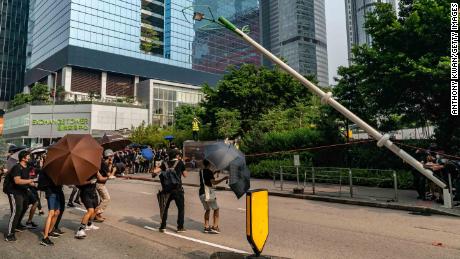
(54, 100)
(327, 99)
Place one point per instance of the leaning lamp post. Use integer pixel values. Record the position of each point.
(327, 99)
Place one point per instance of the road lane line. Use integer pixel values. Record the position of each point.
(80, 209)
(241, 209)
(200, 241)
(147, 193)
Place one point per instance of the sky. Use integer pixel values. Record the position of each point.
(336, 37)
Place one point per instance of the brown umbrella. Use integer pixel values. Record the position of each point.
(114, 142)
(73, 159)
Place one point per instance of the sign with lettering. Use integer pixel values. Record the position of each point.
(65, 124)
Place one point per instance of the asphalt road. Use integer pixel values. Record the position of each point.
(298, 229)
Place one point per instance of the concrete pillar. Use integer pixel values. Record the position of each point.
(66, 78)
(136, 86)
(103, 85)
(50, 82)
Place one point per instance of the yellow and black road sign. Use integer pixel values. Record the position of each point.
(257, 219)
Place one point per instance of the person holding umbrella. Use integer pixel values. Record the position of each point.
(208, 197)
(89, 198)
(15, 186)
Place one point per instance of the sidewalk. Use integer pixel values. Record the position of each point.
(362, 196)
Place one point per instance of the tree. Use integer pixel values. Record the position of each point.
(403, 78)
(228, 121)
(150, 41)
(40, 93)
(21, 98)
(252, 91)
(184, 115)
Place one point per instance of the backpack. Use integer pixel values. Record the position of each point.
(7, 183)
(170, 180)
(43, 181)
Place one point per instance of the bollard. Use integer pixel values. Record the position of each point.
(350, 176)
(313, 180)
(274, 178)
(281, 177)
(395, 178)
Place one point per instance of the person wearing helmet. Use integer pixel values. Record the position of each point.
(107, 170)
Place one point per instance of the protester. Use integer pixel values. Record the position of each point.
(171, 174)
(88, 196)
(52, 194)
(107, 170)
(15, 186)
(209, 201)
(74, 196)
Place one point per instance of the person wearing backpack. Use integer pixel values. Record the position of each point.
(208, 197)
(15, 186)
(171, 173)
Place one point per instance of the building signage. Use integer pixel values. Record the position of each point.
(65, 124)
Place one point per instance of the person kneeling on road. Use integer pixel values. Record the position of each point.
(88, 196)
(54, 206)
(208, 197)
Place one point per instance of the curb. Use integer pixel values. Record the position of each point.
(416, 209)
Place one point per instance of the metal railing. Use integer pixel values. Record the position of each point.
(338, 180)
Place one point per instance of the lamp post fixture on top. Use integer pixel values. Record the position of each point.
(54, 100)
(327, 99)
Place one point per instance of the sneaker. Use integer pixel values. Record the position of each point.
(20, 228)
(58, 231)
(78, 202)
(207, 230)
(41, 213)
(70, 205)
(80, 234)
(181, 230)
(46, 242)
(31, 225)
(162, 229)
(215, 230)
(10, 238)
(92, 227)
(53, 235)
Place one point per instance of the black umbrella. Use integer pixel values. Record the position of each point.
(227, 157)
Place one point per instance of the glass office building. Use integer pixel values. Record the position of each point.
(356, 12)
(296, 31)
(13, 41)
(109, 46)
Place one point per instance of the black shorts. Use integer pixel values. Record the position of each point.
(90, 200)
(32, 195)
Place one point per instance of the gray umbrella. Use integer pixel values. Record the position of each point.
(221, 154)
(227, 157)
(240, 177)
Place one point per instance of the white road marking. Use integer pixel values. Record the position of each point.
(80, 209)
(147, 193)
(241, 209)
(200, 241)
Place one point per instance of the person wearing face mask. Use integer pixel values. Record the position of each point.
(15, 186)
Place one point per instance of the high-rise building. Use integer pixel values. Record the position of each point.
(13, 41)
(356, 12)
(108, 47)
(296, 31)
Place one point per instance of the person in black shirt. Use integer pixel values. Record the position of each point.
(88, 196)
(207, 178)
(18, 182)
(176, 194)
